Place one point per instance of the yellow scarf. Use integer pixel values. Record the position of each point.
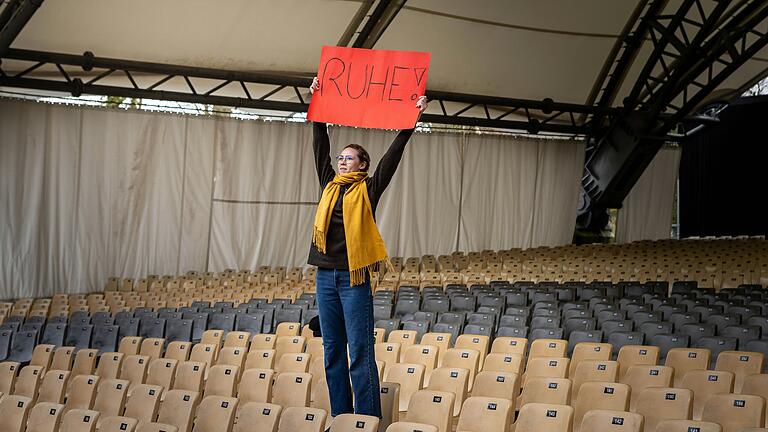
(365, 247)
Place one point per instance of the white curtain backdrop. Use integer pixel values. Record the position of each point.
(647, 210)
(90, 193)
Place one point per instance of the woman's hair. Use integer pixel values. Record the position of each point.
(361, 154)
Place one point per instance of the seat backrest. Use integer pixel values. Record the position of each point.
(162, 372)
(756, 384)
(509, 345)
(555, 391)
(263, 341)
(82, 392)
(589, 351)
(134, 369)
(464, 358)
(411, 427)
(178, 409)
(288, 344)
(221, 381)
(260, 359)
(354, 422)
(593, 370)
(79, 420)
(600, 395)
(44, 417)
(231, 356)
(683, 360)
(129, 345)
(301, 419)
(14, 410)
(205, 353)
(535, 417)
(441, 340)
(237, 339)
(548, 348)
(9, 373)
(634, 355)
(480, 343)
(109, 365)
(454, 380)
(117, 424)
(42, 355)
(504, 362)
(388, 352)
(156, 427)
(85, 362)
(111, 397)
(144, 402)
(293, 362)
(29, 381)
(291, 389)
(63, 358)
(612, 421)
(215, 413)
(735, 412)
(178, 350)
(485, 414)
(741, 363)
(255, 386)
(190, 376)
(432, 407)
(687, 426)
(258, 416)
(288, 329)
(663, 403)
(152, 347)
(546, 367)
(704, 384)
(54, 386)
(640, 377)
(390, 403)
(503, 385)
(410, 377)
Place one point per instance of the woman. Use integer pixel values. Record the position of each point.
(346, 245)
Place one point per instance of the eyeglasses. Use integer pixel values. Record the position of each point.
(342, 158)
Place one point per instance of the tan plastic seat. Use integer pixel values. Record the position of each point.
(535, 417)
(293, 362)
(28, 382)
(411, 427)
(687, 426)
(111, 397)
(431, 407)
(315, 347)
(441, 340)
(390, 403)
(9, 373)
(481, 414)
(54, 386)
(42, 356)
(255, 386)
(44, 417)
(636, 355)
(589, 351)
(409, 376)
(503, 362)
(503, 385)
(237, 339)
(599, 396)
(203, 353)
(152, 347)
(14, 410)
(190, 376)
(288, 329)
(705, 384)
(595, 371)
(454, 380)
(85, 362)
(260, 359)
(663, 403)
(545, 367)
(215, 414)
(258, 416)
(232, 356)
(741, 363)
(301, 419)
(129, 345)
(221, 381)
(82, 392)
(468, 359)
(213, 337)
(480, 343)
(640, 377)
(178, 409)
(263, 341)
(548, 348)
(322, 399)
(422, 354)
(162, 372)
(553, 391)
(63, 358)
(178, 350)
(405, 338)
(735, 412)
(756, 384)
(109, 365)
(79, 420)
(388, 352)
(289, 344)
(684, 360)
(117, 424)
(144, 403)
(612, 421)
(508, 345)
(291, 389)
(134, 370)
(156, 427)
(354, 422)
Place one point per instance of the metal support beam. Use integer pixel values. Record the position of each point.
(378, 22)
(19, 14)
(354, 24)
(457, 108)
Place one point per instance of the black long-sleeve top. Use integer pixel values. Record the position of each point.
(336, 244)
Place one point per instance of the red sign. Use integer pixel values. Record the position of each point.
(369, 88)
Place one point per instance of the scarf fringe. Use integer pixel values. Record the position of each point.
(318, 238)
(358, 276)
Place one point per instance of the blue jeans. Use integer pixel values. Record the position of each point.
(346, 317)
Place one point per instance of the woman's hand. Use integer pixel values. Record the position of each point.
(315, 85)
(421, 104)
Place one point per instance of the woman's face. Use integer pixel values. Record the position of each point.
(348, 161)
